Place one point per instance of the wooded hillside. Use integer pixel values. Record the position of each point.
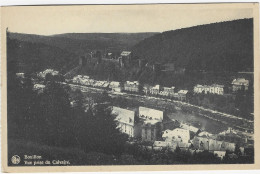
(217, 47)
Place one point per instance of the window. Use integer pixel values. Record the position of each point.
(201, 144)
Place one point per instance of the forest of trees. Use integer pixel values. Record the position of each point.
(217, 47)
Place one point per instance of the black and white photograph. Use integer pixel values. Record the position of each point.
(129, 85)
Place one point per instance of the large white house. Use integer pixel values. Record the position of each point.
(131, 86)
(150, 113)
(213, 89)
(115, 86)
(182, 94)
(155, 90)
(240, 83)
(177, 135)
(125, 119)
(167, 91)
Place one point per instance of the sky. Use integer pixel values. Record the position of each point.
(48, 20)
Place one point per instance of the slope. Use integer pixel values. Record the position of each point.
(217, 47)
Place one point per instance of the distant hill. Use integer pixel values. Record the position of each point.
(79, 43)
(33, 57)
(217, 47)
(61, 52)
(126, 40)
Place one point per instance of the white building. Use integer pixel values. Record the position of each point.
(126, 53)
(20, 75)
(213, 89)
(125, 120)
(150, 113)
(182, 94)
(38, 87)
(48, 71)
(239, 84)
(84, 80)
(216, 89)
(146, 89)
(207, 143)
(177, 135)
(155, 90)
(115, 86)
(132, 86)
(167, 91)
(200, 89)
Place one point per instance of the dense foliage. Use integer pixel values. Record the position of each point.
(218, 47)
(35, 57)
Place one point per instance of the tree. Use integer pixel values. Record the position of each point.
(58, 118)
(99, 132)
(19, 94)
(78, 112)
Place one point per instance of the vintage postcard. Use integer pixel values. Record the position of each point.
(149, 87)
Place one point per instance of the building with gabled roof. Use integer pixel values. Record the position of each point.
(48, 71)
(155, 90)
(146, 89)
(131, 86)
(152, 123)
(206, 143)
(125, 53)
(182, 94)
(239, 84)
(168, 91)
(125, 58)
(151, 114)
(176, 135)
(126, 121)
(115, 86)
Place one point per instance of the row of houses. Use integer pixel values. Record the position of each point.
(181, 137)
(237, 84)
(155, 90)
(86, 80)
(132, 86)
(165, 91)
(150, 127)
(158, 90)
